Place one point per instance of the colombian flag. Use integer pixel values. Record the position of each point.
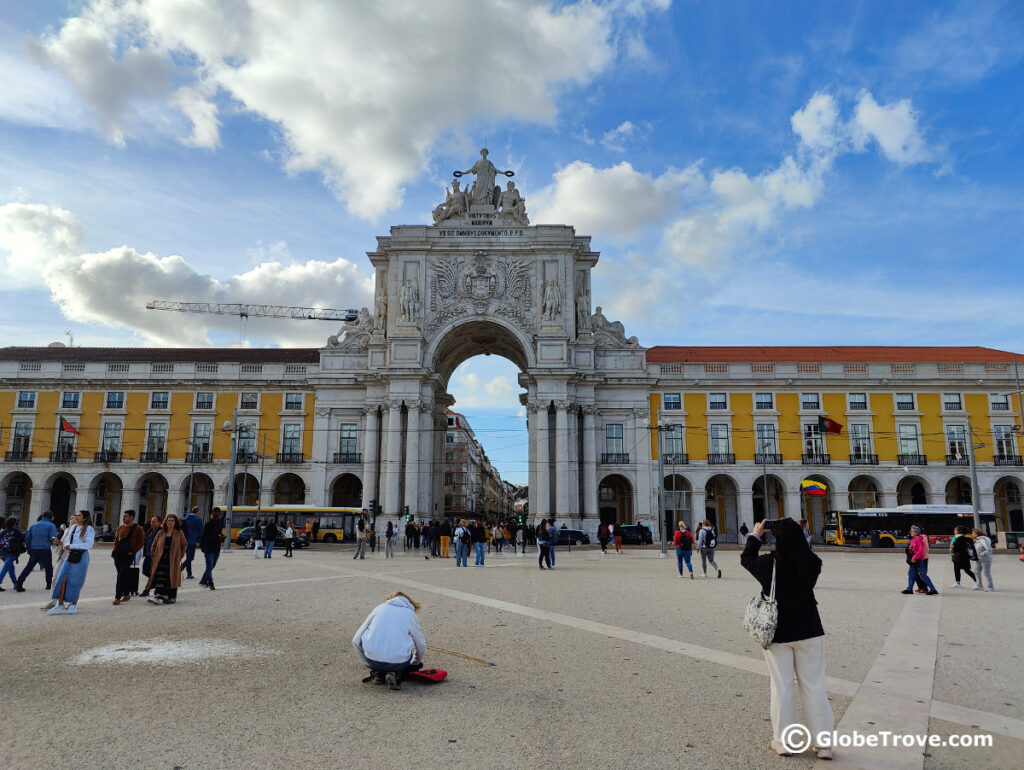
(813, 487)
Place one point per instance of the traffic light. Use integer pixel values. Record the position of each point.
(373, 507)
(406, 512)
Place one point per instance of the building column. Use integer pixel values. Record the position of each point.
(532, 419)
(426, 475)
(573, 476)
(793, 507)
(744, 513)
(561, 464)
(393, 463)
(589, 461)
(412, 459)
(370, 467)
(646, 469)
(698, 500)
(543, 459)
(175, 501)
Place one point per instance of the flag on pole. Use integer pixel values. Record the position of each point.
(813, 487)
(825, 425)
(67, 427)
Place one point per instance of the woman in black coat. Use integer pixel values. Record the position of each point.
(960, 551)
(798, 648)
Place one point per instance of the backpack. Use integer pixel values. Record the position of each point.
(465, 537)
(15, 543)
(710, 537)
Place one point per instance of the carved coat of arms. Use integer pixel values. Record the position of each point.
(482, 286)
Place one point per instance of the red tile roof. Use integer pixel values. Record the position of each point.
(831, 354)
(133, 355)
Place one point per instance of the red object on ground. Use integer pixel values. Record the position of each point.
(428, 675)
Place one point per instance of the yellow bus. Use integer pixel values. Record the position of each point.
(889, 527)
(332, 525)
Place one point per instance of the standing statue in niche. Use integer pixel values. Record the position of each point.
(380, 317)
(483, 189)
(410, 302)
(513, 205)
(582, 310)
(552, 300)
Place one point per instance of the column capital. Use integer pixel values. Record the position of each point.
(642, 412)
(562, 406)
(588, 409)
(370, 408)
(532, 407)
(393, 404)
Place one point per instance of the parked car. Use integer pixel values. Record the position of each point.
(634, 534)
(244, 538)
(573, 537)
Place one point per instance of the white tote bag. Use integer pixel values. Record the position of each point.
(762, 616)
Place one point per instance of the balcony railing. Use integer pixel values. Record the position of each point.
(721, 458)
(64, 456)
(107, 456)
(348, 457)
(817, 459)
(952, 406)
(1008, 460)
(199, 457)
(677, 458)
(153, 457)
(767, 458)
(246, 458)
(957, 460)
(863, 459)
(912, 459)
(18, 456)
(291, 457)
(615, 458)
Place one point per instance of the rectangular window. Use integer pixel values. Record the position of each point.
(1004, 441)
(204, 400)
(26, 399)
(956, 441)
(905, 402)
(764, 401)
(613, 439)
(951, 402)
(718, 401)
(719, 439)
(111, 437)
(909, 444)
(449, 438)
(673, 402)
(766, 440)
(115, 399)
(69, 400)
(1000, 403)
(66, 439)
(810, 401)
(249, 401)
(201, 433)
(156, 439)
(292, 439)
(860, 441)
(812, 440)
(246, 439)
(22, 437)
(858, 401)
(347, 442)
(673, 438)
(160, 399)
(293, 401)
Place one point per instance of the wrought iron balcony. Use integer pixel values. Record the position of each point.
(199, 457)
(817, 459)
(863, 459)
(291, 457)
(18, 456)
(615, 458)
(767, 458)
(721, 458)
(246, 458)
(677, 458)
(107, 456)
(1008, 460)
(957, 460)
(912, 459)
(348, 457)
(153, 457)
(64, 456)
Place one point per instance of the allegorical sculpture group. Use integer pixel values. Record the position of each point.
(484, 192)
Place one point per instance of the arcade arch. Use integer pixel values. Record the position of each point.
(814, 506)
(721, 504)
(678, 497)
(289, 489)
(347, 491)
(152, 491)
(958, 491)
(108, 498)
(912, 490)
(864, 492)
(246, 489)
(17, 490)
(63, 489)
(1009, 510)
(202, 494)
(615, 497)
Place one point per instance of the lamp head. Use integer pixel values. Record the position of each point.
(226, 426)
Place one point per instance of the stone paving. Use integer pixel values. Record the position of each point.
(607, 661)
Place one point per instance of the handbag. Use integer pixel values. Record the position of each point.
(75, 555)
(762, 616)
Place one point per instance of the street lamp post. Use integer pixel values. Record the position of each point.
(259, 492)
(192, 473)
(974, 476)
(661, 486)
(764, 475)
(233, 427)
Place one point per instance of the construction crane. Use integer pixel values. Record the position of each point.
(246, 312)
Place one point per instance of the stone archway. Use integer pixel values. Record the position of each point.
(912, 490)
(721, 505)
(108, 497)
(958, 491)
(615, 496)
(152, 491)
(1008, 504)
(202, 489)
(347, 492)
(18, 491)
(63, 491)
(864, 492)
(814, 506)
(776, 497)
(247, 489)
(678, 499)
(289, 489)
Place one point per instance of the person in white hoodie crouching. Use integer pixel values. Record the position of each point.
(390, 640)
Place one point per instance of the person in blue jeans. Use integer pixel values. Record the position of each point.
(390, 640)
(192, 526)
(12, 544)
(38, 539)
(552, 542)
(683, 541)
(210, 542)
(917, 561)
(479, 536)
(269, 536)
(461, 547)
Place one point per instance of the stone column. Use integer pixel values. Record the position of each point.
(573, 475)
(561, 463)
(412, 460)
(440, 423)
(322, 455)
(532, 418)
(792, 507)
(589, 461)
(744, 513)
(543, 509)
(646, 469)
(175, 501)
(371, 470)
(698, 499)
(392, 465)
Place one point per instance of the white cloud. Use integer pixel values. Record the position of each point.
(894, 127)
(619, 137)
(358, 91)
(817, 122)
(111, 287)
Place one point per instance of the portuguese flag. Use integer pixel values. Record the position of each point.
(825, 425)
(67, 427)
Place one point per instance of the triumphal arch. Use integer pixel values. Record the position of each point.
(482, 279)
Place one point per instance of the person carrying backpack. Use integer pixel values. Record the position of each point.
(603, 536)
(462, 541)
(707, 539)
(12, 545)
(683, 541)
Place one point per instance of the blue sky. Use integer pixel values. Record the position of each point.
(752, 173)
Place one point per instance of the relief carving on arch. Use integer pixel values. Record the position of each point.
(483, 285)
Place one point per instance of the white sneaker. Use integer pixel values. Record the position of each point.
(956, 585)
(990, 589)
(57, 610)
(72, 609)
(977, 587)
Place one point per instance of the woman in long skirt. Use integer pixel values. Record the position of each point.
(169, 547)
(68, 585)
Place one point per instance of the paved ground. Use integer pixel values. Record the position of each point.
(605, 662)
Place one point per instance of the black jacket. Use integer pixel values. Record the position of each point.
(962, 548)
(269, 531)
(210, 540)
(798, 609)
